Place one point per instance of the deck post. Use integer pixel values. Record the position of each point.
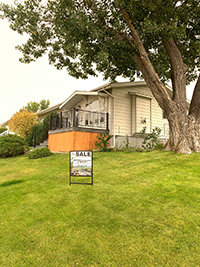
(50, 122)
(60, 124)
(74, 117)
(34, 141)
(107, 121)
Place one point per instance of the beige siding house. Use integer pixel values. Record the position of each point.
(122, 109)
(134, 108)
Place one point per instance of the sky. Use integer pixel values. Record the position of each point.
(21, 83)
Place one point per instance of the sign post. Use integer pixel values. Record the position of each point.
(81, 165)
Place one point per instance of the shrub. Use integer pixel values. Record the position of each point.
(159, 146)
(39, 153)
(126, 143)
(12, 145)
(151, 141)
(3, 129)
(102, 144)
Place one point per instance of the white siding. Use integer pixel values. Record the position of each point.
(157, 119)
(125, 116)
(122, 111)
(81, 104)
(133, 112)
(128, 117)
(143, 113)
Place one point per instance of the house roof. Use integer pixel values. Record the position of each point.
(119, 85)
(77, 96)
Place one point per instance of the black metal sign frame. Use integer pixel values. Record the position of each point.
(81, 165)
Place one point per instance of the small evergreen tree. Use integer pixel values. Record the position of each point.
(103, 142)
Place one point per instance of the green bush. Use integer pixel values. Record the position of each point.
(3, 129)
(39, 153)
(12, 145)
(103, 142)
(151, 141)
(159, 146)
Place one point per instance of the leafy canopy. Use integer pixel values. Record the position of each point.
(35, 106)
(86, 36)
(22, 122)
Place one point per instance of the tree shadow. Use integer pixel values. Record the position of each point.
(12, 182)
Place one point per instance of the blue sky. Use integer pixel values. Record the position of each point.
(22, 83)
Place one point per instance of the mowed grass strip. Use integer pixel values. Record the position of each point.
(143, 210)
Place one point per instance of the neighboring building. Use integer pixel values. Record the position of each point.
(122, 109)
(4, 124)
(7, 131)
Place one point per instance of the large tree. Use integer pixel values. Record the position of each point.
(22, 122)
(158, 40)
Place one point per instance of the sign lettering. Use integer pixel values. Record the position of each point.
(81, 165)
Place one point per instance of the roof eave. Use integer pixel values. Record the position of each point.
(49, 109)
(79, 95)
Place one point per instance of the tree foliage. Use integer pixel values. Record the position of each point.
(44, 104)
(36, 106)
(80, 33)
(22, 122)
(158, 40)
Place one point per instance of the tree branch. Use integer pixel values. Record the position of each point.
(120, 36)
(142, 60)
(194, 106)
(178, 72)
(145, 74)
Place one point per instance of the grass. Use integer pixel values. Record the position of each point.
(143, 210)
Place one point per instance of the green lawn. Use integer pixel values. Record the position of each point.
(143, 210)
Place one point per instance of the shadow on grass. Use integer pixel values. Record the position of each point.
(8, 183)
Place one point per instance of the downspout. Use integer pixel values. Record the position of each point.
(135, 114)
(113, 113)
(150, 115)
(131, 115)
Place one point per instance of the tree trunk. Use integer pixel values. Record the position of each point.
(184, 134)
(184, 130)
(184, 126)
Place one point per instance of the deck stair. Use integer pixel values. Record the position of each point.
(43, 144)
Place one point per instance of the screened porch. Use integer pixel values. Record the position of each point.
(79, 118)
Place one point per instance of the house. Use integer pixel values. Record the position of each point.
(122, 109)
(5, 131)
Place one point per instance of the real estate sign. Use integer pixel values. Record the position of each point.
(81, 165)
